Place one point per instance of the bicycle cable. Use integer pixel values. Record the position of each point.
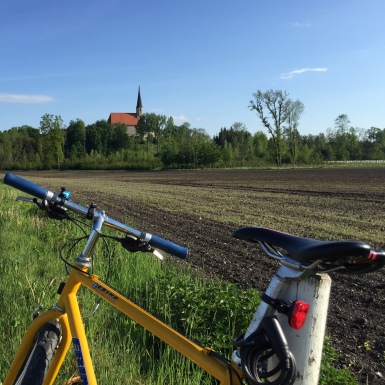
(74, 242)
(257, 350)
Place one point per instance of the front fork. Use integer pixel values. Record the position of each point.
(27, 342)
(67, 300)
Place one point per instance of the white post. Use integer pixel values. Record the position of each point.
(306, 344)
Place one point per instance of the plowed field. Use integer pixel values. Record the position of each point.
(201, 209)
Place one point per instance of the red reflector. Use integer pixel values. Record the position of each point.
(298, 314)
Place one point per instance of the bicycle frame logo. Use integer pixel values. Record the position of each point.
(106, 293)
(80, 361)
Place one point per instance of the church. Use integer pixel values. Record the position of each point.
(130, 119)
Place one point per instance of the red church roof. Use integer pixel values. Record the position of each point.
(127, 118)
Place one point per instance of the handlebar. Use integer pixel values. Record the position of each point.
(42, 193)
(27, 186)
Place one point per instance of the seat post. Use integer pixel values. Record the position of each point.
(306, 344)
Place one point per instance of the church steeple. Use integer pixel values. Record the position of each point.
(139, 107)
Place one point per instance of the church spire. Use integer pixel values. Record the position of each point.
(139, 107)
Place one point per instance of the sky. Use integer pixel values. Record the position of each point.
(199, 61)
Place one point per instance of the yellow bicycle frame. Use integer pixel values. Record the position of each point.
(68, 313)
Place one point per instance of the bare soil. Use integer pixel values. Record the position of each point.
(356, 321)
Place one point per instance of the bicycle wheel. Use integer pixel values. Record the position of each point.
(36, 364)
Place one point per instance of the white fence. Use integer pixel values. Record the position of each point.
(355, 161)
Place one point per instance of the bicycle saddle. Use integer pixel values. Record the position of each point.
(356, 257)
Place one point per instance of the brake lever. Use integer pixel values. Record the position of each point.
(25, 199)
(31, 200)
(53, 211)
(157, 254)
(134, 244)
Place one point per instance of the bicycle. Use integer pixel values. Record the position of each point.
(266, 353)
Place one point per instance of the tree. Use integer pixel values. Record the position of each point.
(5, 151)
(291, 130)
(210, 153)
(52, 140)
(224, 137)
(341, 137)
(119, 138)
(151, 126)
(101, 137)
(275, 106)
(169, 131)
(373, 134)
(236, 143)
(76, 139)
(353, 143)
(341, 124)
(374, 143)
(93, 139)
(260, 144)
(239, 127)
(242, 142)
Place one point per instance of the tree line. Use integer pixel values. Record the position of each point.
(160, 143)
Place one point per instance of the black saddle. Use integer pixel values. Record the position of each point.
(356, 257)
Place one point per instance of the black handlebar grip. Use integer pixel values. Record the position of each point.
(27, 186)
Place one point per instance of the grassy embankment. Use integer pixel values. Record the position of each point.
(210, 312)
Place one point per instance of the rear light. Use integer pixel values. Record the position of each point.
(298, 314)
(371, 257)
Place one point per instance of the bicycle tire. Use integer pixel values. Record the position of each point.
(36, 363)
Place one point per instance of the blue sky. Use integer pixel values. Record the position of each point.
(198, 61)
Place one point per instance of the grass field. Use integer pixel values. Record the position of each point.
(345, 206)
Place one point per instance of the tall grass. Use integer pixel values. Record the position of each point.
(208, 311)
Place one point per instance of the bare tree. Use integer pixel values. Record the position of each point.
(342, 124)
(274, 108)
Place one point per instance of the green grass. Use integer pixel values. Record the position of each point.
(208, 311)
(329, 374)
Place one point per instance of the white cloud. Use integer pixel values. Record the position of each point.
(28, 99)
(180, 119)
(291, 74)
(302, 25)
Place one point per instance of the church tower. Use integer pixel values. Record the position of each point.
(139, 107)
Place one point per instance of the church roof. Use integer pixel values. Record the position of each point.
(127, 118)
